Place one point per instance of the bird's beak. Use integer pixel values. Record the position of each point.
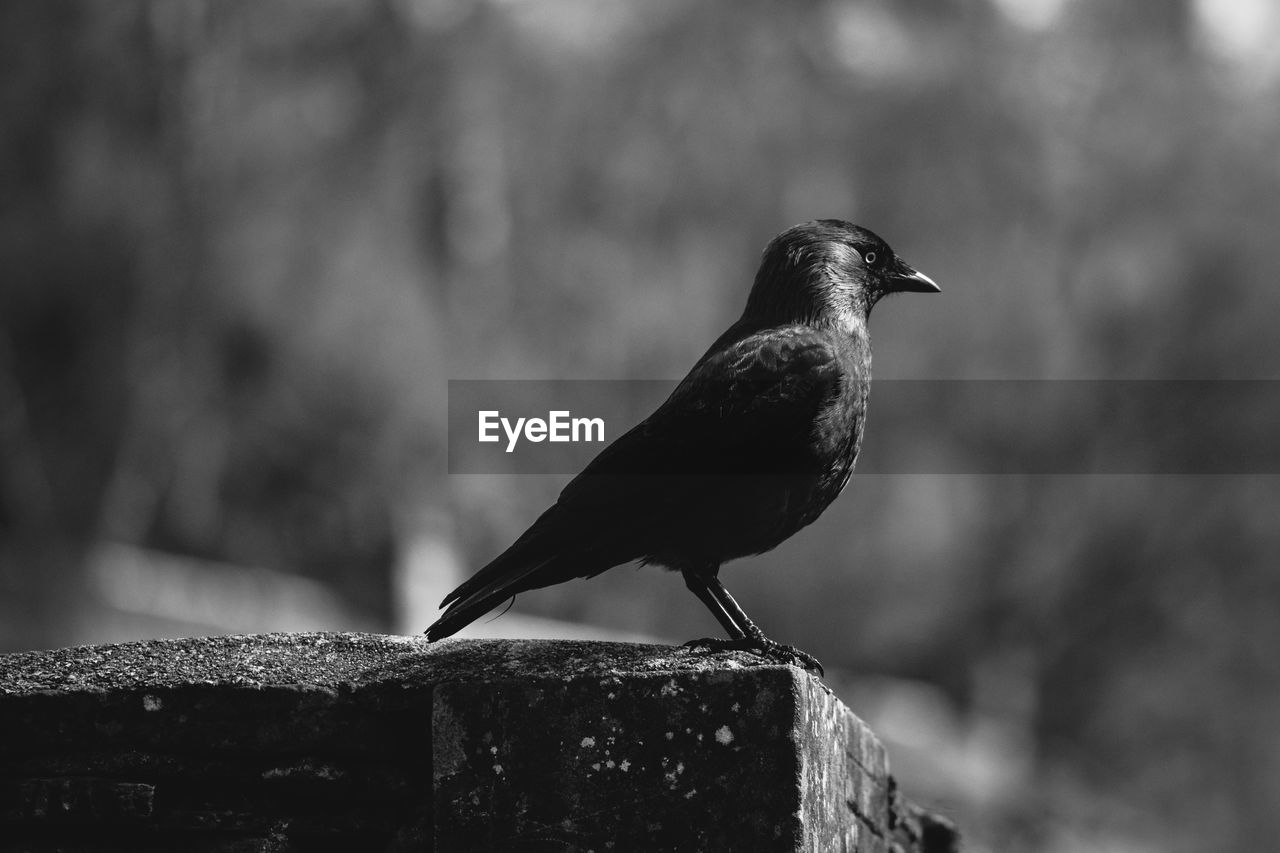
(907, 280)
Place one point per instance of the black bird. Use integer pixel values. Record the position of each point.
(750, 447)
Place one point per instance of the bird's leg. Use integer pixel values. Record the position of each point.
(744, 633)
(698, 584)
(761, 643)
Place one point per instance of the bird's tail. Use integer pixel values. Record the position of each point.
(510, 573)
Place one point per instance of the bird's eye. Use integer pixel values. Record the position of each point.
(870, 258)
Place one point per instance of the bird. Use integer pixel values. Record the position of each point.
(752, 445)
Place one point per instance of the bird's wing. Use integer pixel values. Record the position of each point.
(749, 407)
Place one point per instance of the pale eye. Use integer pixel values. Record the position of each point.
(870, 258)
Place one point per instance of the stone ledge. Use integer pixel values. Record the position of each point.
(356, 741)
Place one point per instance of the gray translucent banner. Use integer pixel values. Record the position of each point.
(913, 426)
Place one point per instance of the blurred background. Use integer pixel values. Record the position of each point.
(244, 245)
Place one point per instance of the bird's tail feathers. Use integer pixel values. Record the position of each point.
(490, 587)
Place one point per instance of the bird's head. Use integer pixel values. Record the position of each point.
(828, 271)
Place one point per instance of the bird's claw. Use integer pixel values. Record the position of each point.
(762, 646)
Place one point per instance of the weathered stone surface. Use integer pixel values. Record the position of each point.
(348, 741)
(643, 758)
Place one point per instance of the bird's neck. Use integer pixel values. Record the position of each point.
(847, 322)
(851, 330)
(847, 330)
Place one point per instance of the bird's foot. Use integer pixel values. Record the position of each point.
(762, 646)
